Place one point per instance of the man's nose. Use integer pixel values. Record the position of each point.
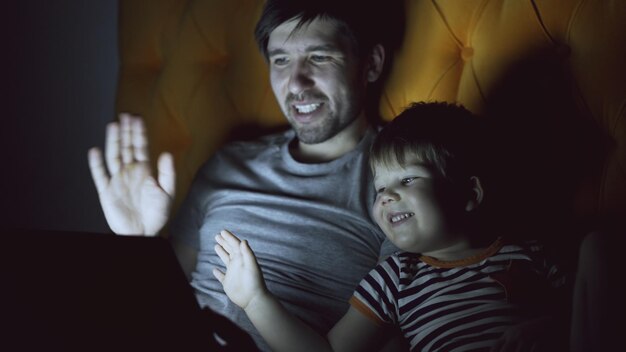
(300, 78)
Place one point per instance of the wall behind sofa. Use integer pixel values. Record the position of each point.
(61, 61)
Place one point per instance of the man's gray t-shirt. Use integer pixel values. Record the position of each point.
(308, 224)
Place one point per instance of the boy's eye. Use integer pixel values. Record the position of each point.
(380, 190)
(408, 180)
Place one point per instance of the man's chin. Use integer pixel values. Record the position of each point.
(307, 137)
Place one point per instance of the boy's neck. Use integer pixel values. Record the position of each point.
(460, 251)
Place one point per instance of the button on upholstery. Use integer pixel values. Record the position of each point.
(467, 53)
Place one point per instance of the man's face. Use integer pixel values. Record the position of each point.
(316, 77)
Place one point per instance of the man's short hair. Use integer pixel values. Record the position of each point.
(367, 23)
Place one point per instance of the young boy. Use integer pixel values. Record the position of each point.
(455, 286)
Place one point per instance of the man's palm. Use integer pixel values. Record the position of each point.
(133, 201)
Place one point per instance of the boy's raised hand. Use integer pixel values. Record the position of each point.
(243, 281)
(134, 202)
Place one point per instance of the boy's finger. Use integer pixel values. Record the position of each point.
(232, 240)
(219, 275)
(222, 242)
(222, 254)
(249, 259)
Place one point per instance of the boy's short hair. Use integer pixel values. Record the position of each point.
(365, 23)
(446, 137)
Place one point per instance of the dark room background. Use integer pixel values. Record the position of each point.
(60, 66)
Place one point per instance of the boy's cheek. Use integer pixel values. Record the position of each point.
(377, 214)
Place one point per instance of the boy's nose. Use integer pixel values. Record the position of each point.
(390, 196)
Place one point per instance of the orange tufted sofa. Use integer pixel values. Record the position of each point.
(549, 73)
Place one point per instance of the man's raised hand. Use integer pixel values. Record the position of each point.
(133, 201)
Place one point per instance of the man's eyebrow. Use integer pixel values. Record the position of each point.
(277, 51)
(312, 48)
(323, 47)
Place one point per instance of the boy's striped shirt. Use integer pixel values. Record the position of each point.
(462, 305)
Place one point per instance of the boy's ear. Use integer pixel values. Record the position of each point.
(375, 63)
(476, 194)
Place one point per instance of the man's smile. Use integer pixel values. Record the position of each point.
(306, 108)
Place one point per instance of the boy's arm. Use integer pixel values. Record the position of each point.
(537, 334)
(549, 331)
(244, 285)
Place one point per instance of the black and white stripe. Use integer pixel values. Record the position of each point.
(448, 309)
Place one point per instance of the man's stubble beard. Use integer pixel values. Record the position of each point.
(329, 125)
(320, 132)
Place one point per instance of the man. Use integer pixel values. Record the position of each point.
(301, 197)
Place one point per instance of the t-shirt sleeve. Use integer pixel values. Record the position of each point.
(377, 294)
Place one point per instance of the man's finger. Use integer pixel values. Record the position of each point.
(125, 139)
(112, 148)
(139, 140)
(98, 172)
(167, 175)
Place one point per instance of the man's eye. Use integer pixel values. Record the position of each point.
(408, 180)
(380, 190)
(320, 58)
(279, 61)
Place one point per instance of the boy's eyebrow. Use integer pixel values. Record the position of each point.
(416, 165)
(420, 167)
(308, 49)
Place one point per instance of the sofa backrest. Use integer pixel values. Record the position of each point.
(549, 74)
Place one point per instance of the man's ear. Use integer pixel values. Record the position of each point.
(476, 194)
(375, 63)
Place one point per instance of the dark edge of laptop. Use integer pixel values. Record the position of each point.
(82, 291)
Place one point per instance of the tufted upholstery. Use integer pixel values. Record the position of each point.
(549, 73)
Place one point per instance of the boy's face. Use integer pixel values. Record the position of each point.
(414, 208)
(316, 77)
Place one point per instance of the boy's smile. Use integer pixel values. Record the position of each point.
(399, 218)
(412, 209)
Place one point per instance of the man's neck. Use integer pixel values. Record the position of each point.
(337, 146)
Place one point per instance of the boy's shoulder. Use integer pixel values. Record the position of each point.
(532, 248)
